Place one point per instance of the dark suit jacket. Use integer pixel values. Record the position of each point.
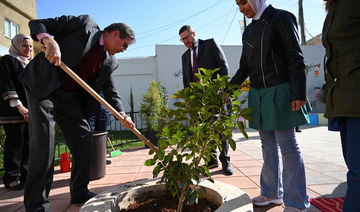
(210, 56)
(75, 36)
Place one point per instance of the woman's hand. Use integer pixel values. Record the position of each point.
(297, 104)
(23, 111)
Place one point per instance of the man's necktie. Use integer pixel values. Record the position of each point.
(195, 66)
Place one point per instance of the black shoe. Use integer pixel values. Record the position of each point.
(15, 185)
(108, 161)
(228, 170)
(83, 199)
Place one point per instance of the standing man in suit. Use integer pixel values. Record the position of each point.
(209, 55)
(55, 97)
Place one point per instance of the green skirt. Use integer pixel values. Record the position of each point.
(273, 105)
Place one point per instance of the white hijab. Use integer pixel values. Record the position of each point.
(258, 7)
(15, 48)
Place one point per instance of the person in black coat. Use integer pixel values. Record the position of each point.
(209, 55)
(55, 97)
(14, 112)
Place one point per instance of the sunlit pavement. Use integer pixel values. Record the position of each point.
(321, 150)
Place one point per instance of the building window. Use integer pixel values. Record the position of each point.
(11, 29)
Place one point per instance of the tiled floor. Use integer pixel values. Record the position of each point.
(321, 149)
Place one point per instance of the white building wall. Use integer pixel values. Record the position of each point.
(135, 73)
(166, 68)
(3, 50)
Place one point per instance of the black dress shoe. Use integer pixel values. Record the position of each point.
(82, 199)
(15, 185)
(228, 170)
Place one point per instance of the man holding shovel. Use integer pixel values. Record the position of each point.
(55, 97)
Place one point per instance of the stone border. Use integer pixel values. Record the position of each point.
(233, 198)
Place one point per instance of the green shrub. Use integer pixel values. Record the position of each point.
(152, 102)
(200, 122)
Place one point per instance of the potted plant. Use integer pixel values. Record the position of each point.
(152, 103)
(191, 131)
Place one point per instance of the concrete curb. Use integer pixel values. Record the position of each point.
(232, 198)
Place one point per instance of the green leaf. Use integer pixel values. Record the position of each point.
(232, 144)
(161, 154)
(179, 104)
(236, 102)
(237, 93)
(156, 171)
(150, 162)
(193, 198)
(246, 113)
(188, 156)
(241, 127)
(151, 152)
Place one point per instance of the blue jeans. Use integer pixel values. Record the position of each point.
(99, 120)
(350, 140)
(291, 187)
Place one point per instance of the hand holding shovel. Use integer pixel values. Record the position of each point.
(83, 84)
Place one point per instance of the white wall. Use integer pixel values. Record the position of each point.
(314, 57)
(3, 50)
(135, 73)
(166, 68)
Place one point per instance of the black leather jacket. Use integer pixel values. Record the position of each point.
(271, 53)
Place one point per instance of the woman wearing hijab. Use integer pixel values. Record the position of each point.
(273, 60)
(13, 112)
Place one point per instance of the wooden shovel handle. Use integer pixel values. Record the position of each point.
(117, 115)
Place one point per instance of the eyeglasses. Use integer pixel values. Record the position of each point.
(125, 46)
(184, 38)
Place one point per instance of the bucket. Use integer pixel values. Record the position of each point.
(98, 157)
(65, 162)
(151, 136)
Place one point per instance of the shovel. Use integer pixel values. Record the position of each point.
(117, 115)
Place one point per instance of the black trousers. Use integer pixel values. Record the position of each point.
(66, 110)
(224, 157)
(16, 152)
(224, 151)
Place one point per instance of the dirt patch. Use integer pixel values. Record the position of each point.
(165, 203)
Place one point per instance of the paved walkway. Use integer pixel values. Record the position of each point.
(321, 149)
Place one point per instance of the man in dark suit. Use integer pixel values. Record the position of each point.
(209, 55)
(55, 97)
